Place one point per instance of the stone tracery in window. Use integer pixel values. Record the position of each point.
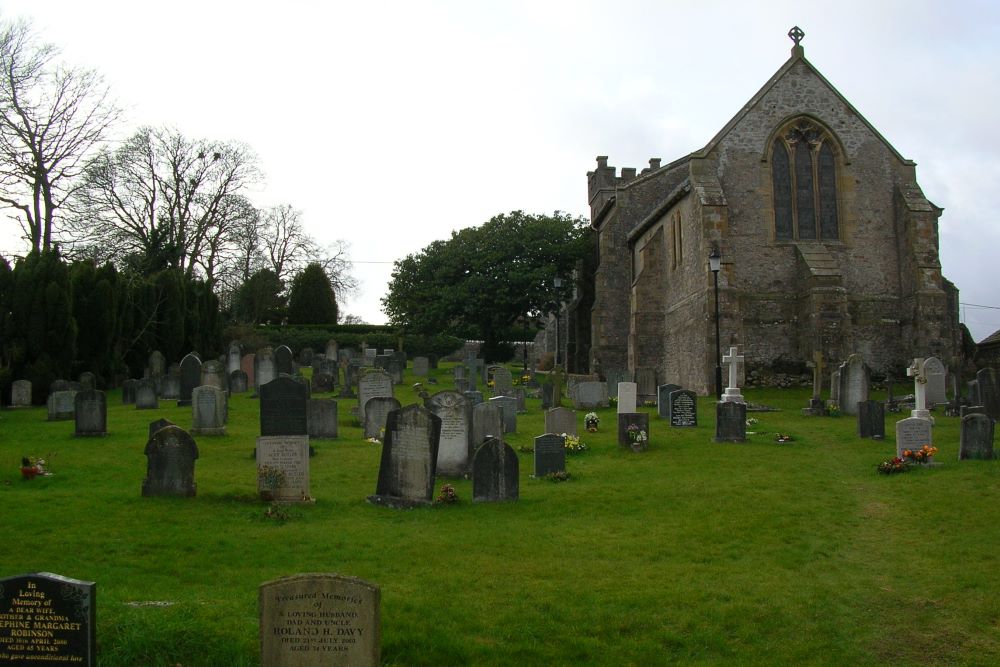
(804, 180)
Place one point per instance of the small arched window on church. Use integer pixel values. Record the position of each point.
(804, 179)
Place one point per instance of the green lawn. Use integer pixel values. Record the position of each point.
(693, 552)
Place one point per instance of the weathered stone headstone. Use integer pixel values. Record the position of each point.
(145, 395)
(550, 454)
(91, 413)
(971, 410)
(310, 620)
(614, 377)
(288, 454)
(817, 365)
(936, 376)
(522, 400)
(421, 366)
(627, 397)
(682, 409)
(61, 405)
(548, 396)
(495, 473)
(473, 397)
(730, 422)
(157, 364)
(855, 377)
(47, 618)
(503, 383)
(155, 426)
(238, 382)
(590, 395)
(663, 399)
(409, 458)
(560, 420)
(170, 385)
(208, 411)
(734, 362)
(976, 437)
(455, 446)
(20, 394)
(375, 383)
(350, 377)
(487, 422)
(912, 433)
(170, 457)
(284, 360)
(212, 374)
(190, 378)
(573, 382)
(87, 381)
(283, 408)
(638, 419)
(265, 368)
(835, 387)
(871, 419)
(233, 358)
(509, 406)
(306, 355)
(128, 391)
(322, 413)
(377, 411)
(989, 392)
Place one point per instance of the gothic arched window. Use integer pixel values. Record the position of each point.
(804, 179)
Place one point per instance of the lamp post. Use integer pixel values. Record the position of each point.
(557, 283)
(715, 263)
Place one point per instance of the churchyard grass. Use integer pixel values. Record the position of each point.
(764, 552)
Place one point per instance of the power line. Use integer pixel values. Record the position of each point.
(976, 305)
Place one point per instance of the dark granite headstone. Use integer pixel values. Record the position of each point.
(495, 473)
(238, 382)
(971, 410)
(129, 388)
(283, 408)
(46, 619)
(409, 458)
(487, 422)
(638, 443)
(663, 399)
(322, 383)
(871, 419)
(91, 412)
(550, 454)
(976, 437)
(989, 392)
(190, 378)
(682, 408)
(322, 418)
(284, 360)
(730, 422)
(88, 381)
(170, 457)
(157, 425)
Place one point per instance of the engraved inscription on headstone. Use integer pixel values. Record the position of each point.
(170, 457)
(409, 458)
(976, 437)
(550, 454)
(91, 412)
(283, 408)
(495, 473)
(288, 454)
(683, 409)
(46, 618)
(912, 433)
(454, 449)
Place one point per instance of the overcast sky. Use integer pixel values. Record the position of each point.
(390, 124)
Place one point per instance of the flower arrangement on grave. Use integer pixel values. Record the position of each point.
(892, 466)
(591, 420)
(558, 476)
(833, 410)
(269, 480)
(573, 444)
(490, 383)
(752, 421)
(921, 455)
(526, 378)
(447, 496)
(636, 435)
(783, 437)
(32, 467)
(612, 400)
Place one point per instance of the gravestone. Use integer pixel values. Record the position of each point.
(190, 378)
(590, 395)
(473, 397)
(374, 383)
(87, 381)
(627, 397)
(128, 391)
(283, 408)
(233, 357)
(323, 383)
(509, 406)
(730, 422)
(663, 399)
(550, 454)
(835, 387)
(935, 374)
(306, 355)
(626, 419)
(212, 375)
(557, 377)
(971, 410)
(614, 377)
(976, 438)
(409, 458)
(645, 381)
(238, 382)
(521, 399)
(817, 365)
(548, 396)
(20, 394)
(377, 411)
(157, 425)
(312, 620)
(503, 383)
(462, 386)
(972, 392)
(682, 409)
(290, 455)
(91, 412)
(61, 406)
(421, 366)
(495, 474)
(170, 457)
(265, 369)
(855, 377)
(487, 422)
(573, 382)
(322, 415)
(455, 446)
(208, 411)
(64, 385)
(989, 392)
(284, 360)
(560, 420)
(170, 385)
(46, 618)
(350, 378)
(247, 364)
(734, 362)
(912, 433)
(145, 396)
(871, 419)
(157, 364)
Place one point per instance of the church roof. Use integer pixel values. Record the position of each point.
(991, 340)
(798, 55)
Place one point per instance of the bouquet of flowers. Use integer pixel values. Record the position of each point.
(573, 444)
(591, 420)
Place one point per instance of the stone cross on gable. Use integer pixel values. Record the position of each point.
(817, 365)
(733, 360)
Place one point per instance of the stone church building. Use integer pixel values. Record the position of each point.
(827, 242)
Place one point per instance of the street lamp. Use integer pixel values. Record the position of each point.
(557, 283)
(715, 263)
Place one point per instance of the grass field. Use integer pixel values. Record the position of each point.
(693, 552)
